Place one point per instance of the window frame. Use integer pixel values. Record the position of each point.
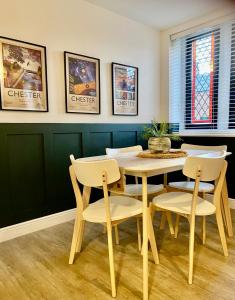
(188, 124)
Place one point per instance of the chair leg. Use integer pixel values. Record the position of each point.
(139, 233)
(220, 225)
(116, 234)
(111, 260)
(76, 232)
(203, 230)
(223, 216)
(170, 224)
(191, 250)
(177, 225)
(204, 223)
(163, 220)
(80, 236)
(152, 239)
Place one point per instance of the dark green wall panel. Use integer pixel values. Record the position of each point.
(64, 144)
(97, 142)
(26, 173)
(124, 139)
(34, 161)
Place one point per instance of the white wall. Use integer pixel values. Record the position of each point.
(164, 52)
(80, 27)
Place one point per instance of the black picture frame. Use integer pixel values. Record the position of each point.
(96, 83)
(127, 107)
(27, 72)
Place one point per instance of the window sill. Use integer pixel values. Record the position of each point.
(208, 134)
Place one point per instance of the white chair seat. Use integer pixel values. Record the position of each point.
(180, 202)
(136, 189)
(204, 187)
(121, 207)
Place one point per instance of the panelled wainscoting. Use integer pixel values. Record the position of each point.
(34, 160)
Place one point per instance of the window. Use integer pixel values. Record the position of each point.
(202, 80)
(201, 92)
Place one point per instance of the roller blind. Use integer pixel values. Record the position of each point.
(232, 82)
(202, 80)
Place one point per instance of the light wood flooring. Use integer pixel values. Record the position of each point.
(35, 266)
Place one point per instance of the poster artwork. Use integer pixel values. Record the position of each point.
(23, 84)
(125, 90)
(82, 77)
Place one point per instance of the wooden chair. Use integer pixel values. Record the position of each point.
(190, 205)
(135, 190)
(185, 146)
(187, 185)
(110, 210)
(204, 187)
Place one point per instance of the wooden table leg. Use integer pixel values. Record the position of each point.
(226, 208)
(145, 236)
(151, 237)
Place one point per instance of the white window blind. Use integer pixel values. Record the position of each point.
(232, 82)
(202, 80)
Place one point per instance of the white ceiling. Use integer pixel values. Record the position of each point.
(161, 14)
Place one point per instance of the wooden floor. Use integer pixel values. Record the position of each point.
(36, 266)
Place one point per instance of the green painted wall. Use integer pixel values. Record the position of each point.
(34, 160)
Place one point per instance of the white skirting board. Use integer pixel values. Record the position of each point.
(13, 231)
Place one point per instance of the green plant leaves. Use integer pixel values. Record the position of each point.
(159, 130)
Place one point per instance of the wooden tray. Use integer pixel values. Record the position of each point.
(171, 154)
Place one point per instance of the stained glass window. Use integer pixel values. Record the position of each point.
(202, 80)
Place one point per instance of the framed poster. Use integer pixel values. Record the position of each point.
(125, 90)
(23, 76)
(82, 83)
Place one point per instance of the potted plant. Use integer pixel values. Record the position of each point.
(159, 137)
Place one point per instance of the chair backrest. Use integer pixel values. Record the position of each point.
(205, 169)
(210, 167)
(199, 147)
(219, 185)
(90, 173)
(79, 201)
(115, 151)
(93, 174)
